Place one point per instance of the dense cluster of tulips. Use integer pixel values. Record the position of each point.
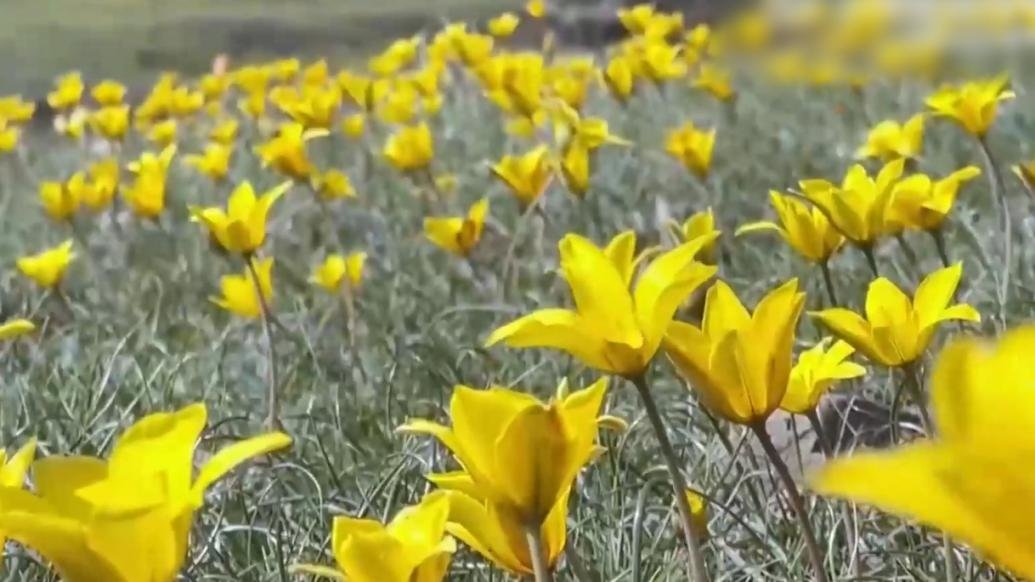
(128, 517)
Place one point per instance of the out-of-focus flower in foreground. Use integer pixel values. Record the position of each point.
(973, 479)
(815, 373)
(972, 105)
(242, 227)
(458, 234)
(47, 269)
(239, 295)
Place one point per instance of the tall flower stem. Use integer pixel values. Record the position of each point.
(797, 503)
(273, 396)
(540, 564)
(995, 180)
(871, 260)
(693, 544)
(939, 245)
(846, 514)
(828, 281)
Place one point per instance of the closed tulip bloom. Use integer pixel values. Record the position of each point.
(519, 457)
(286, 153)
(701, 224)
(739, 363)
(242, 227)
(108, 93)
(526, 175)
(214, 162)
(67, 93)
(413, 547)
(16, 328)
(146, 194)
(59, 202)
(890, 140)
(410, 148)
(337, 269)
(924, 204)
(692, 147)
(803, 227)
(972, 105)
(238, 293)
(111, 122)
(575, 167)
(660, 61)
(504, 25)
(816, 371)
(126, 518)
(974, 479)
(612, 329)
(458, 234)
(103, 183)
(897, 329)
(333, 185)
(47, 269)
(860, 207)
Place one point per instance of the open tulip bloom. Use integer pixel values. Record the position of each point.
(242, 227)
(804, 228)
(127, 518)
(860, 207)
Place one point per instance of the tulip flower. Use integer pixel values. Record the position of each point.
(239, 294)
(701, 224)
(354, 125)
(504, 25)
(972, 105)
(897, 330)
(103, 183)
(536, 8)
(816, 371)
(860, 207)
(163, 134)
(132, 513)
(458, 234)
(225, 132)
(47, 269)
(692, 147)
(519, 457)
(969, 479)
(16, 110)
(67, 93)
(333, 185)
(316, 108)
(413, 547)
(213, 163)
(286, 152)
(411, 148)
(575, 167)
(9, 135)
(72, 124)
(889, 140)
(526, 175)
(253, 105)
(146, 195)
(108, 93)
(620, 78)
(111, 122)
(15, 328)
(715, 82)
(59, 202)
(805, 229)
(242, 227)
(924, 204)
(612, 329)
(660, 61)
(13, 470)
(337, 269)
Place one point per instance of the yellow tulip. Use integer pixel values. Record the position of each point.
(67, 92)
(214, 85)
(108, 93)
(816, 371)
(715, 81)
(612, 329)
(242, 227)
(504, 25)
(739, 363)
(536, 8)
(253, 105)
(897, 329)
(356, 88)
(213, 163)
(575, 166)
(458, 234)
(72, 124)
(889, 140)
(13, 470)
(337, 269)
(636, 19)
(410, 148)
(692, 147)
(316, 74)
(333, 185)
(60, 203)
(132, 515)
(972, 480)
(146, 195)
(519, 457)
(972, 105)
(805, 229)
(9, 135)
(413, 547)
(354, 125)
(111, 121)
(526, 175)
(225, 132)
(163, 134)
(701, 224)
(922, 203)
(47, 269)
(239, 294)
(104, 181)
(395, 57)
(286, 153)
(315, 108)
(15, 109)
(619, 77)
(15, 328)
(860, 208)
(660, 61)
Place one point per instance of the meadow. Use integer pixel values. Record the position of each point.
(162, 306)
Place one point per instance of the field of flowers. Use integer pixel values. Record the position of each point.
(481, 311)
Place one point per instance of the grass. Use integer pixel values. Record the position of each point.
(141, 334)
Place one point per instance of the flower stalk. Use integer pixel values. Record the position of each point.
(272, 396)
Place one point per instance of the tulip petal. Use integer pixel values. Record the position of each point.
(475, 524)
(558, 329)
(13, 472)
(601, 296)
(228, 458)
(723, 312)
(852, 328)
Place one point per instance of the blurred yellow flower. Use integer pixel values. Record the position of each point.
(47, 269)
(315, 108)
(458, 234)
(68, 91)
(972, 105)
(103, 183)
(860, 207)
(132, 513)
(72, 124)
(242, 227)
(395, 57)
(715, 81)
(59, 202)
(253, 105)
(619, 78)
(692, 147)
(816, 371)
(804, 228)
(108, 93)
(972, 480)
(337, 269)
(519, 457)
(504, 25)
(163, 133)
(239, 295)
(11, 329)
(111, 121)
(16, 110)
(889, 140)
(9, 135)
(897, 329)
(413, 547)
(660, 61)
(922, 203)
(354, 125)
(410, 148)
(700, 224)
(739, 363)
(536, 8)
(612, 329)
(214, 162)
(146, 194)
(333, 185)
(286, 152)
(526, 175)
(224, 132)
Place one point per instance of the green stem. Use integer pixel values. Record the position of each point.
(995, 179)
(272, 398)
(939, 245)
(871, 260)
(536, 551)
(828, 281)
